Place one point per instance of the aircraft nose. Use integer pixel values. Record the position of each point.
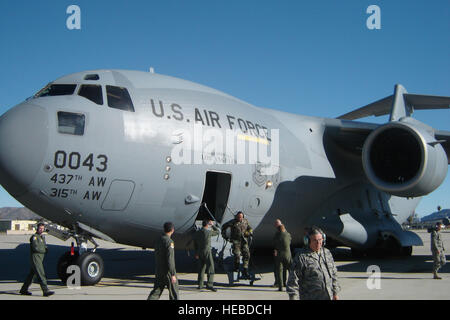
(23, 144)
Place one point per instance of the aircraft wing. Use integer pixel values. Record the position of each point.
(401, 104)
(444, 136)
(384, 106)
(351, 135)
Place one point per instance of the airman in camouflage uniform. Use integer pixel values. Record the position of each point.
(313, 275)
(240, 234)
(202, 245)
(437, 249)
(165, 273)
(38, 249)
(282, 254)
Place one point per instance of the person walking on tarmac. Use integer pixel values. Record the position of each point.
(241, 233)
(282, 254)
(437, 249)
(202, 245)
(165, 273)
(38, 249)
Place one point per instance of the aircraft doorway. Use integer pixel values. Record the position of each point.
(215, 195)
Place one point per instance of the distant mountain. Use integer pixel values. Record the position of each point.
(437, 215)
(18, 214)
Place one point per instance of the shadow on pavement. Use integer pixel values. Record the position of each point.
(413, 264)
(139, 265)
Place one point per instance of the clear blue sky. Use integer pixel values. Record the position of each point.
(306, 57)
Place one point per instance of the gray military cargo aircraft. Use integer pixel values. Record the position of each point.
(114, 154)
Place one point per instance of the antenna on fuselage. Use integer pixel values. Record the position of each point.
(152, 70)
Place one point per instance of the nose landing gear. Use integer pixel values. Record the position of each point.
(90, 264)
(91, 268)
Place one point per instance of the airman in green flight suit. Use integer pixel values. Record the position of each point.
(38, 249)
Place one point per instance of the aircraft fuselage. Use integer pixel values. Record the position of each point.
(119, 172)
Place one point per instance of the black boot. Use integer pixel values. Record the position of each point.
(25, 292)
(211, 288)
(48, 293)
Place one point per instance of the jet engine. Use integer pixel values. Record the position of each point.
(404, 159)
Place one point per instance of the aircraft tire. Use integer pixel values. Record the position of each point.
(91, 268)
(63, 263)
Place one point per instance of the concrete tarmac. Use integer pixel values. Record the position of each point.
(129, 275)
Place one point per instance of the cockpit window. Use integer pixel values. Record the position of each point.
(71, 123)
(56, 90)
(92, 92)
(119, 98)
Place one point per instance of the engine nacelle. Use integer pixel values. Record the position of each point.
(404, 159)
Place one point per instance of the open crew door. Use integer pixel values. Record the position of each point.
(215, 195)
